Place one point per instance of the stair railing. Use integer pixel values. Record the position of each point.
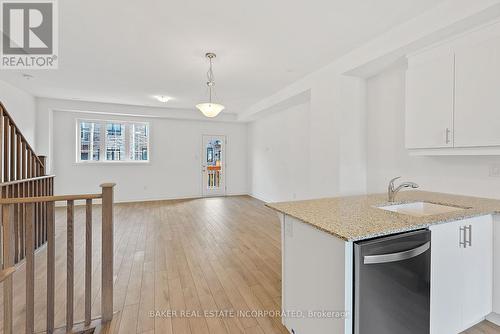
(22, 174)
(39, 186)
(8, 206)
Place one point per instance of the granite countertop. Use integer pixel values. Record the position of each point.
(356, 218)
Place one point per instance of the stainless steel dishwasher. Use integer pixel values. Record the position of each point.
(392, 284)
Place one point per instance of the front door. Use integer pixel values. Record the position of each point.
(213, 165)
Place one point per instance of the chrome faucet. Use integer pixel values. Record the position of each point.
(391, 191)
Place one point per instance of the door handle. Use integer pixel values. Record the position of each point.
(400, 256)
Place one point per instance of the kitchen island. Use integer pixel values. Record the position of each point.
(318, 239)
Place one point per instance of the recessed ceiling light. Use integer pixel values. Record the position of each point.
(163, 98)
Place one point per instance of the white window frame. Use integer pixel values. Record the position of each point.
(102, 145)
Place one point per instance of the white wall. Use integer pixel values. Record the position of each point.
(352, 134)
(337, 121)
(314, 148)
(22, 107)
(278, 148)
(175, 167)
(335, 127)
(387, 157)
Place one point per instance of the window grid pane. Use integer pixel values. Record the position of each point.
(139, 142)
(89, 141)
(115, 142)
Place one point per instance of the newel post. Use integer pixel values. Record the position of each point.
(43, 168)
(107, 252)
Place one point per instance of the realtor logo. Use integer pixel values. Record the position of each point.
(29, 34)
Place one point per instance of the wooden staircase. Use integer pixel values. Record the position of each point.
(27, 204)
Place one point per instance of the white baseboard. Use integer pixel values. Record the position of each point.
(260, 198)
(238, 194)
(174, 198)
(139, 200)
(494, 318)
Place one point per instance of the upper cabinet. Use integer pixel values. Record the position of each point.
(477, 94)
(429, 103)
(452, 96)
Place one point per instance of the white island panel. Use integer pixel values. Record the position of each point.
(317, 277)
(495, 316)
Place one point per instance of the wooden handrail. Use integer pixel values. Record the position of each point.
(5, 112)
(43, 199)
(10, 183)
(10, 212)
(6, 273)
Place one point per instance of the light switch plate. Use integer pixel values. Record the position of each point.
(494, 170)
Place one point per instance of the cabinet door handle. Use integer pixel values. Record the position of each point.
(463, 235)
(448, 132)
(470, 236)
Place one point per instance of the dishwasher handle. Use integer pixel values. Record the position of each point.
(400, 256)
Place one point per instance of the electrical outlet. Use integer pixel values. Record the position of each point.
(494, 170)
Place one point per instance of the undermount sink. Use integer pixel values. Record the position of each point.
(421, 209)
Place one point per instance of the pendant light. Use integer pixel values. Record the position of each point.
(210, 109)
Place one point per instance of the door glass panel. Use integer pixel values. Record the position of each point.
(214, 164)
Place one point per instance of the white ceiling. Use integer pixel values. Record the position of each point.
(127, 51)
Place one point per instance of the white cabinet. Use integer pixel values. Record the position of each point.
(461, 274)
(477, 98)
(452, 98)
(429, 103)
(478, 271)
(496, 266)
(446, 279)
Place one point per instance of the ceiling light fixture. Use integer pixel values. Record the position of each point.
(210, 109)
(163, 98)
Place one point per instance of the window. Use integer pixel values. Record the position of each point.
(112, 141)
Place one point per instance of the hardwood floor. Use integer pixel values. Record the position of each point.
(485, 327)
(191, 256)
(183, 256)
